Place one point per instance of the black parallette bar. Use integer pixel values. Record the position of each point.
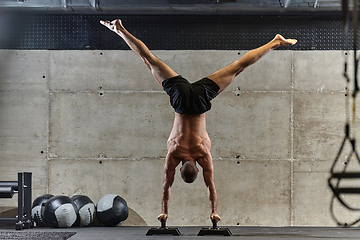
(218, 232)
(163, 230)
(214, 224)
(214, 230)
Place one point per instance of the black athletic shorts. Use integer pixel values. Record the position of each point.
(192, 98)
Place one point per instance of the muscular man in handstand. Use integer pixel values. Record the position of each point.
(189, 142)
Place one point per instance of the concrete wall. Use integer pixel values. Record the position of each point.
(96, 122)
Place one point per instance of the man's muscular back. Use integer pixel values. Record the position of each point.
(188, 138)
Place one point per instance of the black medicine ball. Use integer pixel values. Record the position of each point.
(86, 209)
(60, 211)
(36, 213)
(112, 210)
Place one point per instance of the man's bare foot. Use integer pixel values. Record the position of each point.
(281, 41)
(115, 25)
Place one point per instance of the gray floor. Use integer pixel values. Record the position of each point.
(243, 233)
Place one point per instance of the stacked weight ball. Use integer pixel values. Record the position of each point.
(112, 210)
(37, 209)
(86, 209)
(61, 211)
(78, 211)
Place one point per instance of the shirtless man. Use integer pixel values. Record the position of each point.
(189, 142)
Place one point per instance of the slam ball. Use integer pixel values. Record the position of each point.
(61, 211)
(112, 210)
(36, 213)
(86, 209)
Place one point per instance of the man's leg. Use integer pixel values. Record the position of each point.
(225, 76)
(159, 69)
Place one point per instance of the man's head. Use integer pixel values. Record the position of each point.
(189, 171)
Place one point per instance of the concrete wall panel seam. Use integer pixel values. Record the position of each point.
(292, 141)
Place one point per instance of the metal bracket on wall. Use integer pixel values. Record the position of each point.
(78, 5)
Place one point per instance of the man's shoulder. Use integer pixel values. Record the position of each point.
(177, 152)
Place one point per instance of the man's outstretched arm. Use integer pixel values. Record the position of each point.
(165, 196)
(169, 176)
(210, 184)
